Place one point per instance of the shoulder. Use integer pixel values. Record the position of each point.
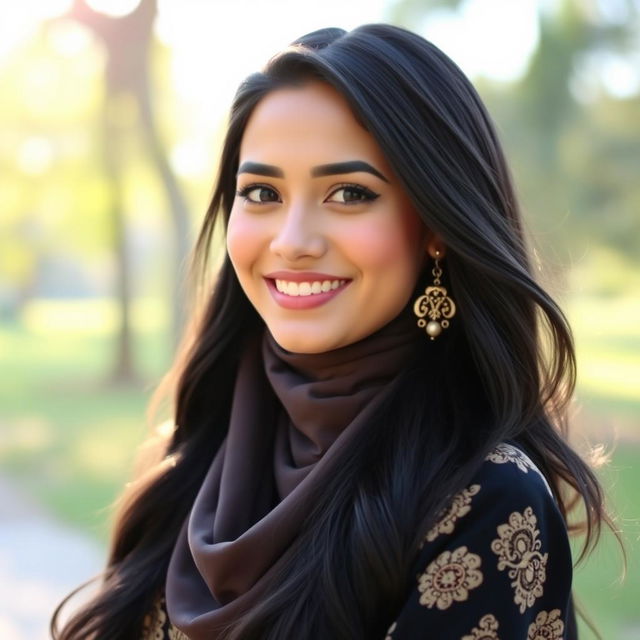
(508, 487)
(507, 462)
(509, 476)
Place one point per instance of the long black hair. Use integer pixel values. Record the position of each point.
(505, 369)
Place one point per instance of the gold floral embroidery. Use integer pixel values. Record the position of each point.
(504, 453)
(486, 629)
(390, 630)
(508, 453)
(176, 634)
(156, 625)
(460, 506)
(449, 578)
(154, 621)
(518, 549)
(547, 626)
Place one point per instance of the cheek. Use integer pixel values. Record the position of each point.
(243, 241)
(392, 248)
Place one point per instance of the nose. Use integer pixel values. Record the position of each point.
(298, 236)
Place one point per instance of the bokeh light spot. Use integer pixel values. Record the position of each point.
(114, 8)
(68, 38)
(35, 156)
(44, 9)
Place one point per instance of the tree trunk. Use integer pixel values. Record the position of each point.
(123, 370)
(177, 209)
(127, 43)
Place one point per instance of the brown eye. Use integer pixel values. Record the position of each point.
(258, 194)
(352, 194)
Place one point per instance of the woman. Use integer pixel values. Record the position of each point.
(370, 419)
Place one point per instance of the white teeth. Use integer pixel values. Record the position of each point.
(307, 288)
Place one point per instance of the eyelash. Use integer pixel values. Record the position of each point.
(245, 191)
(368, 194)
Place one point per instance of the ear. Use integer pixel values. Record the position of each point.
(435, 246)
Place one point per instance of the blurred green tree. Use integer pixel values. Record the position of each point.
(573, 146)
(52, 196)
(126, 41)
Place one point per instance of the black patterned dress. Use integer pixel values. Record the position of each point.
(496, 566)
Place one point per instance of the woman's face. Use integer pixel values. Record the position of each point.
(324, 241)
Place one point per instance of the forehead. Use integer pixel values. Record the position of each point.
(313, 118)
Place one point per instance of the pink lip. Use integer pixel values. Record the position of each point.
(302, 302)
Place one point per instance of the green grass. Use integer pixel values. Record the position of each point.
(69, 437)
(607, 335)
(610, 599)
(66, 432)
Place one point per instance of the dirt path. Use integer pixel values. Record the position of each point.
(41, 560)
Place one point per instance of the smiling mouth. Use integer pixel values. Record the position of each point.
(298, 289)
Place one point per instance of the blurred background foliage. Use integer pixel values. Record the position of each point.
(104, 177)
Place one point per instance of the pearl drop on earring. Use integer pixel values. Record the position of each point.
(433, 329)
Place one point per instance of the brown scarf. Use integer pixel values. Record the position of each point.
(291, 412)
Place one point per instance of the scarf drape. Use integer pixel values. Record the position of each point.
(291, 413)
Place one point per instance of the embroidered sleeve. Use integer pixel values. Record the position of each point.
(157, 626)
(496, 566)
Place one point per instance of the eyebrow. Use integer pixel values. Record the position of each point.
(335, 168)
(261, 169)
(351, 166)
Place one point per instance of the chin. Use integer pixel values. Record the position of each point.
(295, 345)
(304, 343)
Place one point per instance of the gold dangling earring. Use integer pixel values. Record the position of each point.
(435, 304)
